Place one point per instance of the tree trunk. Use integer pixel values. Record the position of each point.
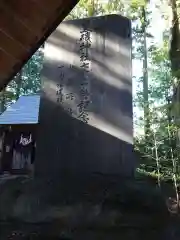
(145, 75)
(174, 55)
(175, 41)
(92, 9)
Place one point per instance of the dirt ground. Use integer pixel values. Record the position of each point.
(136, 212)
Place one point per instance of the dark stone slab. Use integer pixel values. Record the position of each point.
(86, 113)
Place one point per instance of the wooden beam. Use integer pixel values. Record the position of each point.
(24, 27)
(7, 62)
(27, 12)
(8, 43)
(15, 29)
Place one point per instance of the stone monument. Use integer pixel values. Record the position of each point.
(86, 126)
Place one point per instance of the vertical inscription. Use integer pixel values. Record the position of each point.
(61, 91)
(67, 98)
(60, 86)
(84, 45)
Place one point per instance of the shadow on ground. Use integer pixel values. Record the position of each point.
(135, 210)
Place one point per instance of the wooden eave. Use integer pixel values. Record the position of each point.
(24, 26)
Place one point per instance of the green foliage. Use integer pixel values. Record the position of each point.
(27, 81)
(31, 78)
(88, 8)
(114, 6)
(159, 151)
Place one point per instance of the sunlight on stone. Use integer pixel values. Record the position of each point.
(103, 74)
(116, 131)
(106, 70)
(68, 29)
(55, 53)
(95, 120)
(111, 72)
(73, 33)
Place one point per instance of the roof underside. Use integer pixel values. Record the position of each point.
(24, 111)
(24, 26)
